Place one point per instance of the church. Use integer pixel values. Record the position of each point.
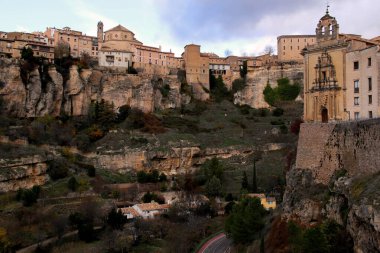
(341, 75)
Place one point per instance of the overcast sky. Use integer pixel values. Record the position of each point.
(240, 26)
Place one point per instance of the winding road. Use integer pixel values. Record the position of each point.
(217, 244)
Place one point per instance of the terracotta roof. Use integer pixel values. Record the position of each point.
(256, 195)
(119, 28)
(152, 206)
(129, 210)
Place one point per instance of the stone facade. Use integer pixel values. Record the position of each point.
(362, 76)
(326, 69)
(289, 47)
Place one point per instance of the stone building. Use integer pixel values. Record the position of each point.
(79, 43)
(326, 71)
(362, 76)
(11, 45)
(147, 59)
(289, 47)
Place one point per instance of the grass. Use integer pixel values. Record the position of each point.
(366, 188)
(269, 170)
(112, 177)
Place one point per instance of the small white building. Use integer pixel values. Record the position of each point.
(145, 210)
(114, 58)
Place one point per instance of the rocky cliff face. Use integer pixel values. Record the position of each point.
(337, 176)
(44, 91)
(24, 171)
(258, 79)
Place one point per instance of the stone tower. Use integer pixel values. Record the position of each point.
(100, 32)
(327, 28)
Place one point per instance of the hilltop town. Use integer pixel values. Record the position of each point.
(111, 145)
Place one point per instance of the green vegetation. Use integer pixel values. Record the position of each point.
(219, 91)
(151, 177)
(165, 90)
(283, 92)
(238, 85)
(246, 221)
(149, 197)
(28, 196)
(325, 238)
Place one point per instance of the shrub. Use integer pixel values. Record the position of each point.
(165, 90)
(277, 122)
(58, 169)
(278, 112)
(238, 85)
(245, 109)
(28, 196)
(284, 91)
(284, 129)
(122, 113)
(72, 184)
(149, 197)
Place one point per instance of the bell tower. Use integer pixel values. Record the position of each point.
(327, 28)
(100, 32)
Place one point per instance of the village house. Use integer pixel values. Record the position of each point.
(267, 202)
(145, 210)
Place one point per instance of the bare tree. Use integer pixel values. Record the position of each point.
(269, 50)
(62, 50)
(227, 52)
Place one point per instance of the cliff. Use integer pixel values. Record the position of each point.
(38, 92)
(337, 176)
(21, 167)
(258, 79)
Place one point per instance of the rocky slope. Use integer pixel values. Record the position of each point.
(45, 92)
(21, 167)
(258, 79)
(337, 176)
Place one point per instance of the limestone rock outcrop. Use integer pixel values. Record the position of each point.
(45, 91)
(258, 79)
(337, 176)
(22, 172)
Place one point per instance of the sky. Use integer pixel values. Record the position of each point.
(241, 27)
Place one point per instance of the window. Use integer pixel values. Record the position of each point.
(370, 99)
(68, 39)
(75, 40)
(370, 115)
(284, 47)
(356, 65)
(356, 100)
(369, 62)
(356, 86)
(369, 83)
(356, 115)
(291, 48)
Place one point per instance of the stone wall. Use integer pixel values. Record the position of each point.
(352, 146)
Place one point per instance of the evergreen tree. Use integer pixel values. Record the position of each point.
(214, 187)
(246, 221)
(262, 245)
(244, 182)
(254, 180)
(116, 219)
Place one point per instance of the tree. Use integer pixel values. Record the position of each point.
(62, 50)
(27, 53)
(262, 245)
(58, 169)
(214, 187)
(227, 52)
(268, 50)
(315, 241)
(244, 182)
(254, 179)
(72, 184)
(246, 221)
(116, 219)
(212, 168)
(244, 69)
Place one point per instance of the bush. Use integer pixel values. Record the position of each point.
(72, 184)
(278, 112)
(165, 90)
(58, 169)
(238, 85)
(122, 113)
(151, 177)
(149, 197)
(277, 122)
(284, 129)
(219, 91)
(283, 92)
(28, 196)
(245, 109)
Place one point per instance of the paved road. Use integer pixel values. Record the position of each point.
(217, 244)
